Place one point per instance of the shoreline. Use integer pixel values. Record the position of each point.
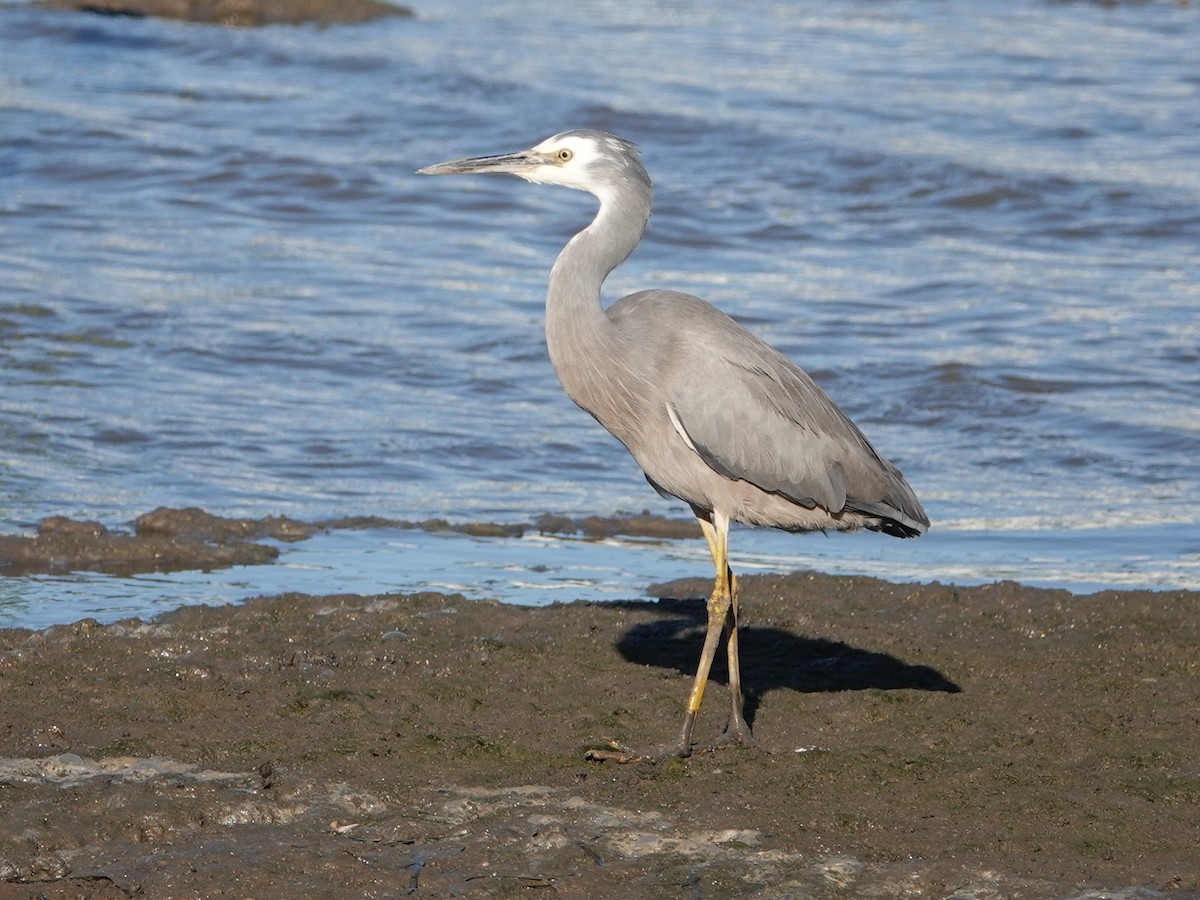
(175, 540)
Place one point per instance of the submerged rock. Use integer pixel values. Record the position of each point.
(168, 540)
(197, 524)
(243, 13)
(66, 545)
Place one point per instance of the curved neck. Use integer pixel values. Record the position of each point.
(575, 321)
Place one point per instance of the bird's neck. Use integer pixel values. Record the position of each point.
(576, 326)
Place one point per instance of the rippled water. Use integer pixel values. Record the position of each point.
(222, 285)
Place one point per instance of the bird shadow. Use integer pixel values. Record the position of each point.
(771, 658)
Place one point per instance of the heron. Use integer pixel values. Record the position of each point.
(712, 414)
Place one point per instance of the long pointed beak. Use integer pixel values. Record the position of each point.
(514, 163)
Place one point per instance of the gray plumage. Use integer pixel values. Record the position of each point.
(712, 414)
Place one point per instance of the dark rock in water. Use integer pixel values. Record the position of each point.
(645, 525)
(198, 525)
(166, 540)
(243, 13)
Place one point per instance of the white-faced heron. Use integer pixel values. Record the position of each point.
(712, 414)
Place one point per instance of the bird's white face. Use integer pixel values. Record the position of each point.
(566, 159)
(571, 159)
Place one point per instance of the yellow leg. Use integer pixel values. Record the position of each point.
(720, 604)
(736, 729)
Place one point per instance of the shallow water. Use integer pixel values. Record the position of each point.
(223, 285)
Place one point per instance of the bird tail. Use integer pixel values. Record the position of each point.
(899, 529)
(899, 515)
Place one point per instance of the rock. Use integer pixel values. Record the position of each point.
(243, 13)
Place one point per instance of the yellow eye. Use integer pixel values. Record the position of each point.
(564, 155)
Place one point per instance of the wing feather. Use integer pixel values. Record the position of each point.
(751, 414)
(769, 424)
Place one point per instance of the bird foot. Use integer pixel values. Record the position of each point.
(737, 733)
(730, 736)
(670, 751)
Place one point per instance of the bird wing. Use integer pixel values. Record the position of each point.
(755, 416)
(751, 414)
(746, 424)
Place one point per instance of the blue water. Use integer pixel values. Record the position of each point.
(221, 284)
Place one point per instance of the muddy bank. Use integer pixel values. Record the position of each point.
(242, 13)
(169, 540)
(916, 741)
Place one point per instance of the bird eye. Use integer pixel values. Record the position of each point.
(564, 155)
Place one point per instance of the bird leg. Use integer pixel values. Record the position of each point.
(720, 604)
(718, 608)
(737, 728)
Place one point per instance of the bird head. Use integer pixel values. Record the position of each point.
(587, 160)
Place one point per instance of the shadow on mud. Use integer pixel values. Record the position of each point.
(771, 658)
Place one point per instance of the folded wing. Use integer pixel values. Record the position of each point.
(768, 423)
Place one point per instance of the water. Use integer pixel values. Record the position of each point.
(222, 285)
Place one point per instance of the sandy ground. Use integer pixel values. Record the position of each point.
(915, 741)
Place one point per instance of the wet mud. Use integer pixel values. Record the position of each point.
(915, 741)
